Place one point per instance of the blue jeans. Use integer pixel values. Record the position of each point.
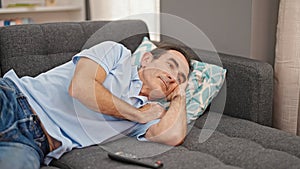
(23, 143)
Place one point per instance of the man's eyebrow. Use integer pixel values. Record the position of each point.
(174, 61)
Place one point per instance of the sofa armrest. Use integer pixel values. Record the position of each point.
(248, 90)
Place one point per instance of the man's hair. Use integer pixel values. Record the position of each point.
(164, 47)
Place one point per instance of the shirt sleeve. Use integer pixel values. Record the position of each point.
(141, 129)
(107, 54)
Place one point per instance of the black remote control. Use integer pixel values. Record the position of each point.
(131, 159)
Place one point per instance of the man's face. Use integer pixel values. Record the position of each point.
(161, 76)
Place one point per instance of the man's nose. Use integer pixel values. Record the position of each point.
(170, 78)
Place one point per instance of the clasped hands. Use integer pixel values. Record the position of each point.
(154, 110)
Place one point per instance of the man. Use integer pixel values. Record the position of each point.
(97, 97)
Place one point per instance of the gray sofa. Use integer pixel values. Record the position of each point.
(243, 137)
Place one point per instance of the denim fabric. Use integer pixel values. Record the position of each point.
(21, 135)
(15, 155)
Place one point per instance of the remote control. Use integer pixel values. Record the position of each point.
(131, 159)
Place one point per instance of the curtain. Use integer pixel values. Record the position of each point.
(287, 68)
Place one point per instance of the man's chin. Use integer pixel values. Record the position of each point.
(155, 98)
(156, 95)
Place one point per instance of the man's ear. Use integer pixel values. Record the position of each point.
(146, 59)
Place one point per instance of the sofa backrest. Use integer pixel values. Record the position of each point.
(36, 48)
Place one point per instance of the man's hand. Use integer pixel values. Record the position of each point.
(151, 111)
(178, 91)
(172, 127)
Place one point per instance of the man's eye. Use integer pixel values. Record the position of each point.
(179, 80)
(170, 65)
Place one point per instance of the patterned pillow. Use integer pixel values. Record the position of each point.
(204, 82)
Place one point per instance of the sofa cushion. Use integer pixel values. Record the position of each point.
(129, 32)
(246, 144)
(267, 137)
(96, 156)
(33, 49)
(235, 143)
(36, 48)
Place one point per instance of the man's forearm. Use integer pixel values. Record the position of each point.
(172, 127)
(96, 97)
(86, 86)
(109, 104)
(99, 99)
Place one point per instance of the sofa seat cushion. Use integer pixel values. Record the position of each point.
(173, 157)
(235, 143)
(240, 152)
(267, 137)
(246, 144)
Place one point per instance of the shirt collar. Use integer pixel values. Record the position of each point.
(136, 86)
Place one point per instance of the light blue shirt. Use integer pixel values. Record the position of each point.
(69, 121)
